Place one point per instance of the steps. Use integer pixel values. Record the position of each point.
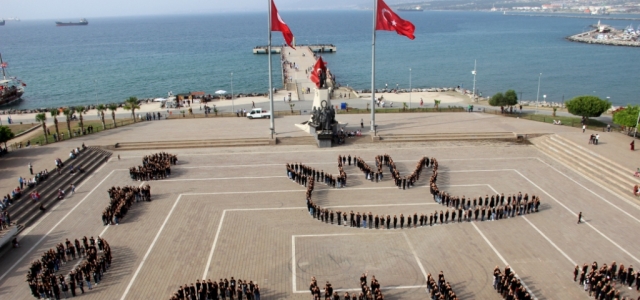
(25, 212)
(298, 140)
(194, 144)
(456, 136)
(595, 166)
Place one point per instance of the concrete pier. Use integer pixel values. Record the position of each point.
(594, 37)
(318, 48)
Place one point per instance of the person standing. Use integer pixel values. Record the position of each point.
(584, 127)
(73, 189)
(361, 123)
(579, 217)
(31, 168)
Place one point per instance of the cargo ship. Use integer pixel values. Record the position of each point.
(10, 89)
(1, 22)
(82, 22)
(416, 8)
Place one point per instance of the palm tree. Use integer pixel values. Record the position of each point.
(54, 113)
(68, 112)
(101, 108)
(113, 108)
(81, 110)
(42, 118)
(132, 104)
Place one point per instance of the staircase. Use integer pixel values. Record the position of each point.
(193, 144)
(24, 212)
(597, 167)
(297, 140)
(456, 136)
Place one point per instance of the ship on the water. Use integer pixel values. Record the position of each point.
(414, 8)
(1, 22)
(82, 22)
(11, 89)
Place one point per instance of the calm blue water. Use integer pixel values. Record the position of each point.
(148, 56)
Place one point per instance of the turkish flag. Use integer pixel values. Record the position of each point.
(277, 24)
(318, 68)
(388, 20)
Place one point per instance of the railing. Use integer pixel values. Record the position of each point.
(564, 121)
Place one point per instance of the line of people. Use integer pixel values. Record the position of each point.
(154, 167)
(603, 282)
(301, 174)
(440, 289)
(224, 289)
(367, 292)
(121, 199)
(45, 284)
(508, 286)
(494, 208)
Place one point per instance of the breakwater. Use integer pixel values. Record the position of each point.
(594, 37)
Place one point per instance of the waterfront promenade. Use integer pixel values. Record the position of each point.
(231, 212)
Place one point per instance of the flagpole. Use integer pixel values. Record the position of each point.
(373, 69)
(271, 122)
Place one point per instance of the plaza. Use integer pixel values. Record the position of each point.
(233, 212)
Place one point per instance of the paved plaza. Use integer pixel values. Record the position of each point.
(233, 212)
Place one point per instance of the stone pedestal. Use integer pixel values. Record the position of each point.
(324, 139)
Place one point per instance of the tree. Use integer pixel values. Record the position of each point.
(436, 103)
(101, 108)
(81, 110)
(497, 100)
(5, 135)
(68, 112)
(132, 104)
(54, 113)
(291, 105)
(113, 108)
(42, 118)
(510, 98)
(587, 106)
(627, 117)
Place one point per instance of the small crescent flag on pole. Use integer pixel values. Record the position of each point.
(4, 65)
(388, 20)
(319, 67)
(277, 24)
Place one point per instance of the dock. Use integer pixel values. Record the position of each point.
(611, 38)
(317, 48)
(296, 66)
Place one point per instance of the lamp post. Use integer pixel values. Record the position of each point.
(635, 134)
(544, 98)
(409, 88)
(95, 89)
(538, 95)
(473, 91)
(233, 107)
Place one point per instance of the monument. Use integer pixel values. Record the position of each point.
(322, 123)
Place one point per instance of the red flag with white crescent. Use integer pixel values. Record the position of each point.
(277, 24)
(4, 65)
(388, 20)
(319, 67)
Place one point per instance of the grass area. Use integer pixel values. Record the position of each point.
(403, 110)
(75, 129)
(566, 121)
(19, 128)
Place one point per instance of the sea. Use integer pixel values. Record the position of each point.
(112, 59)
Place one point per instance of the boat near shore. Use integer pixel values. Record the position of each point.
(81, 23)
(11, 89)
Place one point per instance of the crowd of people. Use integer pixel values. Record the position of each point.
(368, 292)
(5, 219)
(45, 284)
(121, 199)
(154, 167)
(224, 289)
(459, 209)
(302, 174)
(440, 289)
(508, 286)
(603, 282)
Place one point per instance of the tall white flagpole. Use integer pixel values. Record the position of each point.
(271, 122)
(373, 68)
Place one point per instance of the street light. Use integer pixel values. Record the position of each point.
(538, 95)
(233, 107)
(409, 88)
(95, 89)
(473, 97)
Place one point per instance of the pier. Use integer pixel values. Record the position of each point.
(317, 48)
(297, 79)
(577, 16)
